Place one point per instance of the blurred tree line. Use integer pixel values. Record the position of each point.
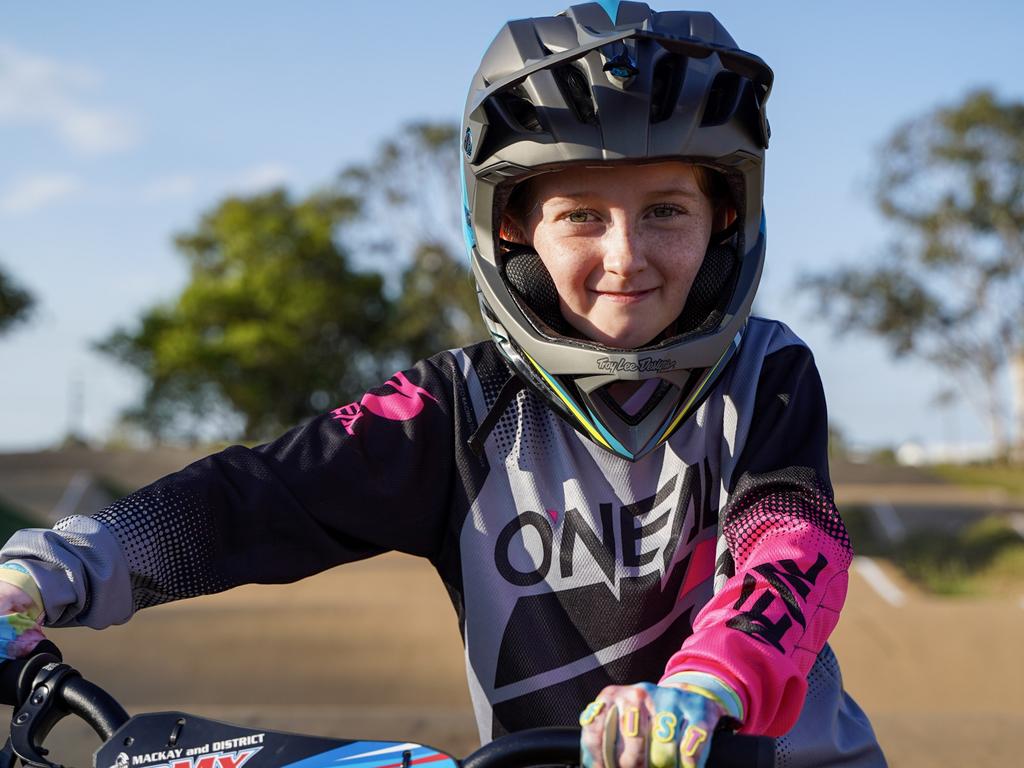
(295, 306)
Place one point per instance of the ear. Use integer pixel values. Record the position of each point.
(723, 218)
(511, 232)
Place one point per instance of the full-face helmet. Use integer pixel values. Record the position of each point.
(615, 82)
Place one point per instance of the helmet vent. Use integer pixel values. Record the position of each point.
(722, 98)
(519, 108)
(576, 91)
(665, 86)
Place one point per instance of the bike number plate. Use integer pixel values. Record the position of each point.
(178, 740)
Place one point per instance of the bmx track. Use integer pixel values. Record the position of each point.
(372, 651)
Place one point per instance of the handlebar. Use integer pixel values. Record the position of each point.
(561, 746)
(43, 690)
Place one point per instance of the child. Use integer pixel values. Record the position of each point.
(625, 491)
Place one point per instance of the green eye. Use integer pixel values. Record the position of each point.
(664, 211)
(579, 217)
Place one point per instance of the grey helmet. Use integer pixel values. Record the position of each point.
(601, 83)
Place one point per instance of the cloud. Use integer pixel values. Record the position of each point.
(179, 186)
(259, 178)
(35, 192)
(38, 91)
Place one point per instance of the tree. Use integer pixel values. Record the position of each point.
(950, 288)
(15, 303)
(293, 306)
(409, 191)
(272, 327)
(437, 306)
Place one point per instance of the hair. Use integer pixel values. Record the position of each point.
(709, 181)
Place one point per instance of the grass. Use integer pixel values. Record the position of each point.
(1007, 477)
(984, 558)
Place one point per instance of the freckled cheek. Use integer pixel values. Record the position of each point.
(683, 264)
(569, 269)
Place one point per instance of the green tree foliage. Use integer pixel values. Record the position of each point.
(295, 306)
(15, 303)
(272, 327)
(436, 307)
(950, 287)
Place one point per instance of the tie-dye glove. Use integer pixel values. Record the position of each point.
(21, 608)
(660, 726)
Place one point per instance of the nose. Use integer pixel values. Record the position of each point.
(623, 249)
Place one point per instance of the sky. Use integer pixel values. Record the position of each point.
(122, 123)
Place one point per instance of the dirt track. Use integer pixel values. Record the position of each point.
(372, 651)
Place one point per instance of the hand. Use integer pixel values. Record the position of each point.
(635, 726)
(20, 630)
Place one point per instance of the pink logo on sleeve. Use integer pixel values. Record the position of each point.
(348, 415)
(402, 404)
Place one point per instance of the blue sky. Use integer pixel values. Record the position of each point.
(120, 125)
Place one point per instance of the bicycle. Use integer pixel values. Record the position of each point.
(43, 690)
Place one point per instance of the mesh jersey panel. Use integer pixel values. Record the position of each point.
(166, 535)
(774, 502)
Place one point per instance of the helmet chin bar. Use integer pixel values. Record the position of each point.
(586, 412)
(633, 435)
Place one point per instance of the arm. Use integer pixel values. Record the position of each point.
(787, 559)
(368, 477)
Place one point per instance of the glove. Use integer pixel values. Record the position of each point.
(21, 609)
(661, 726)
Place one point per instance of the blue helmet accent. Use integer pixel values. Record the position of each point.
(467, 227)
(611, 7)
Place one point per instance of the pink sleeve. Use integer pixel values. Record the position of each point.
(763, 630)
(787, 559)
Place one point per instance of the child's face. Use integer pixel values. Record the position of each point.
(622, 244)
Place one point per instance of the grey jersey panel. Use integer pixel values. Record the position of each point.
(539, 531)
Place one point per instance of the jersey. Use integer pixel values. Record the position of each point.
(569, 568)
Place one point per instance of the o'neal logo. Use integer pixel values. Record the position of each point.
(643, 365)
(646, 539)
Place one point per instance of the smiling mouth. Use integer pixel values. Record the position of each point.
(626, 297)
